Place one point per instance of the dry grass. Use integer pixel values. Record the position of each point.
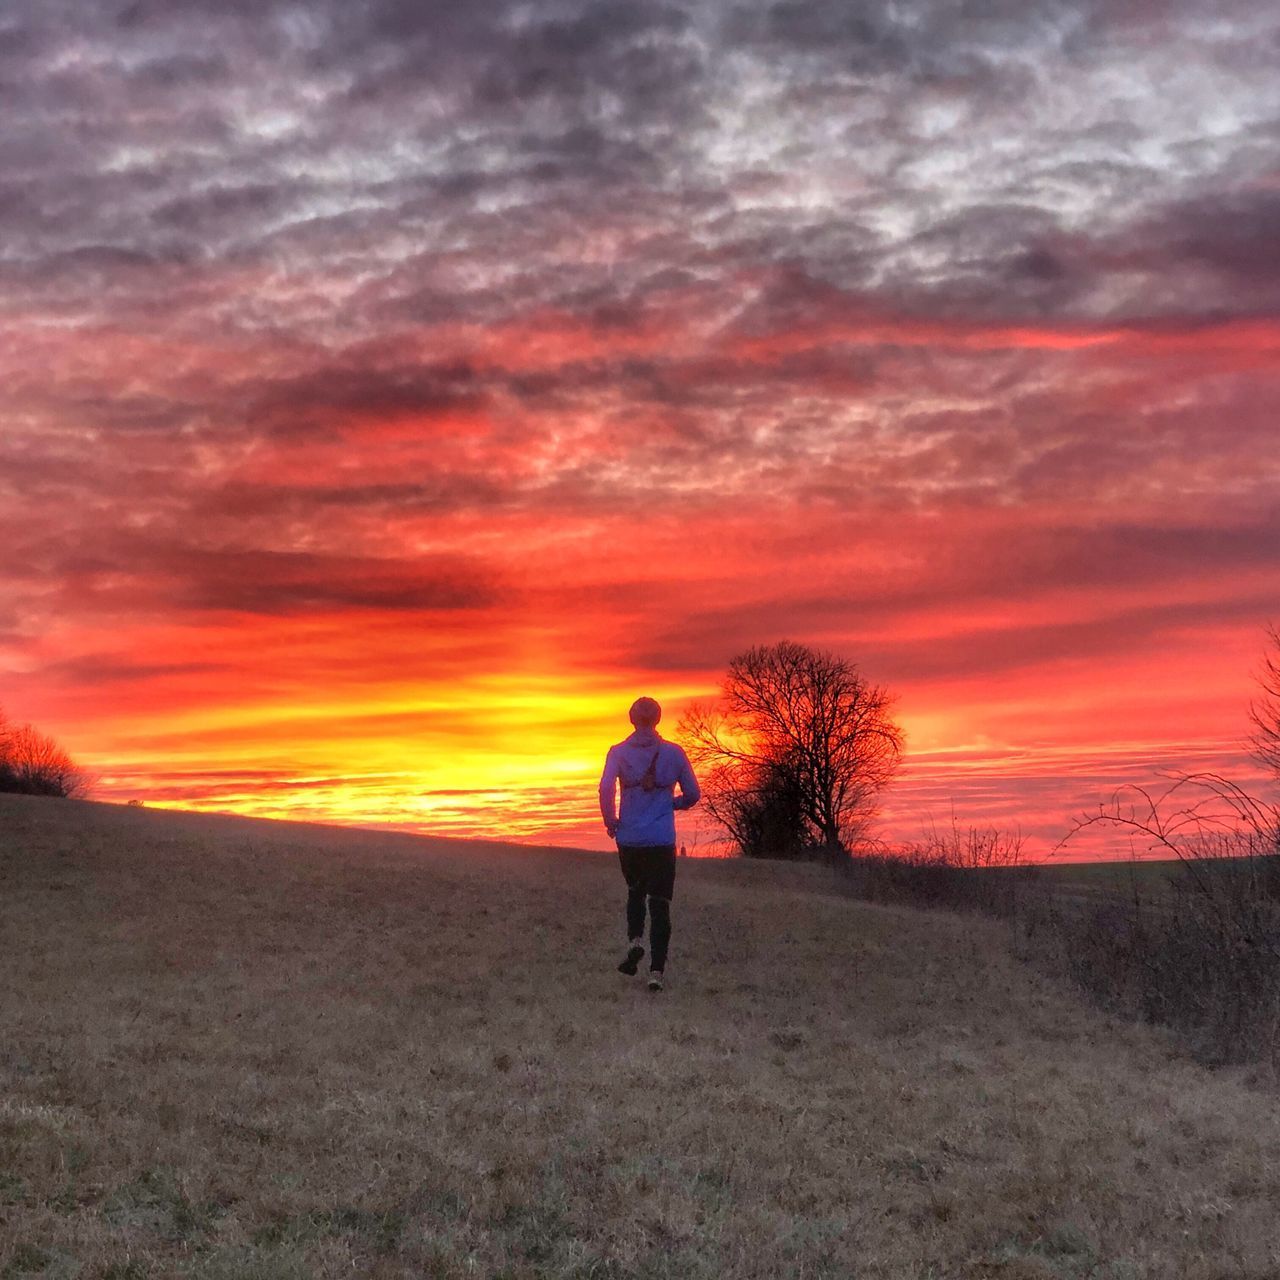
(245, 1049)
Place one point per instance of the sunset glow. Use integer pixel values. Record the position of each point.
(393, 394)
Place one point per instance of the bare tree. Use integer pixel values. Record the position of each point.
(34, 764)
(795, 751)
(1265, 711)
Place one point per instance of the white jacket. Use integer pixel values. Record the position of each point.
(647, 768)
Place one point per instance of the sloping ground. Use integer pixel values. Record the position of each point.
(245, 1049)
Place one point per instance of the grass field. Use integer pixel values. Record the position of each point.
(234, 1048)
(1149, 875)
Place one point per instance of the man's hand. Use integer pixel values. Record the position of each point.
(611, 828)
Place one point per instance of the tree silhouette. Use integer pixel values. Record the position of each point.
(32, 763)
(795, 751)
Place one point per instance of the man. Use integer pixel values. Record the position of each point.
(647, 768)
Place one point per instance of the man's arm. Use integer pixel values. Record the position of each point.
(609, 793)
(690, 792)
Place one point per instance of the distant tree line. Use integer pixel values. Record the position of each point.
(32, 763)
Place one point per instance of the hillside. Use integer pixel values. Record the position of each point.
(237, 1048)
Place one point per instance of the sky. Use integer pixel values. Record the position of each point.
(391, 392)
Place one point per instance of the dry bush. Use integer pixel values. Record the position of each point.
(1265, 711)
(32, 763)
(969, 869)
(972, 847)
(1206, 966)
(1202, 953)
(1199, 954)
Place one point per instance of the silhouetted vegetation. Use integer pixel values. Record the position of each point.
(32, 763)
(1201, 952)
(795, 751)
(1202, 957)
(971, 868)
(768, 818)
(1196, 949)
(1265, 712)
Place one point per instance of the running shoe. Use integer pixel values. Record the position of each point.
(635, 953)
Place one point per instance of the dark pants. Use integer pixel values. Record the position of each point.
(650, 873)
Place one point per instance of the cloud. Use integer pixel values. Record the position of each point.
(110, 668)
(625, 333)
(267, 583)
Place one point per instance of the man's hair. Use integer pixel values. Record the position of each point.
(645, 713)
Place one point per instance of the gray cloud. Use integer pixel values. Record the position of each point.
(696, 252)
(510, 129)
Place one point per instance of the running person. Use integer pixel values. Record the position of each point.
(647, 767)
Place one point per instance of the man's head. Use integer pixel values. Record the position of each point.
(645, 713)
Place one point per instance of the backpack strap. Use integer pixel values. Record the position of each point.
(649, 779)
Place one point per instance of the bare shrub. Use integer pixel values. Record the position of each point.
(765, 810)
(1201, 953)
(973, 847)
(32, 763)
(970, 868)
(1265, 711)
